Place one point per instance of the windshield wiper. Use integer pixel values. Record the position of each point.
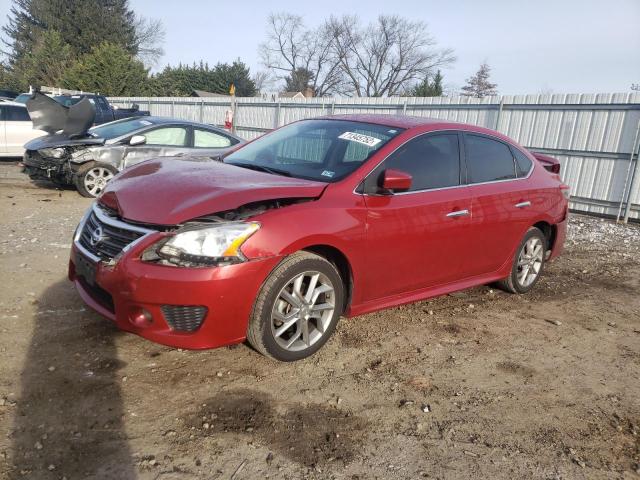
(262, 168)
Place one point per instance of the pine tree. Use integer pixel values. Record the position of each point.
(299, 80)
(428, 88)
(479, 85)
(110, 70)
(47, 63)
(81, 24)
(182, 80)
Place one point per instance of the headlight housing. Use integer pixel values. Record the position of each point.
(203, 245)
(52, 152)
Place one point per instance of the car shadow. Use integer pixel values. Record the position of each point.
(69, 415)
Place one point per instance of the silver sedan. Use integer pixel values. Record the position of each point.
(90, 160)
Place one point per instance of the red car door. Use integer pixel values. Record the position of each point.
(415, 238)
(501, 202)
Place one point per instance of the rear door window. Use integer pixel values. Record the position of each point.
(488, 160)
(16, 114)
(209, 139)
(433, 161)
(168, 136)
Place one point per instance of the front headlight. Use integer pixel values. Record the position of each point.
(203, 245)
(52, 152)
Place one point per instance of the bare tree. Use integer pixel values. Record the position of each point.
(387, 56)
(291, 46)
(263, 79)
(150, 36)
(479, 85)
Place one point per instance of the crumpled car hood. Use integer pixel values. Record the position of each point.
(173, 190)
(61, 140)
(51, 116)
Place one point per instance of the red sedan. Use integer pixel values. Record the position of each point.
(341, 215)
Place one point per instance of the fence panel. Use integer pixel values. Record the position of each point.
(592, 135)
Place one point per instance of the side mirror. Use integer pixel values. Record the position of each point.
(135, 107)
(396, 181)
(138, 140)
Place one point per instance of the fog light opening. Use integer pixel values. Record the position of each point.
(140, 318)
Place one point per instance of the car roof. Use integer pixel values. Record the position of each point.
(15, 104)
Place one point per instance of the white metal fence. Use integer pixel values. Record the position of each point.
(595, 136)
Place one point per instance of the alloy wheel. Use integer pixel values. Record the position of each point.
(303, 311)
(530, 261)
(96, 179)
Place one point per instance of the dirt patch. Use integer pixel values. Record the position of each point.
(311, 435)
(479, 384)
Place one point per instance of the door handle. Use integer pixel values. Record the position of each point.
(523, 204)
(458, 213)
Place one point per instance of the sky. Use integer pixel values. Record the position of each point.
(532, 46)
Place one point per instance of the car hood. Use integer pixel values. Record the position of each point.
(50, 116)
(173, 190)
(61, 140)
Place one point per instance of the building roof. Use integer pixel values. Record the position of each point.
(291, 95)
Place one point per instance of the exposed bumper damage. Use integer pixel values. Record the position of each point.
(143, 297)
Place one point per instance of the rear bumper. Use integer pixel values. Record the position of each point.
(123, 291)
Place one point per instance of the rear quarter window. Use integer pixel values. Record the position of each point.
(523, 163)
(488, 160)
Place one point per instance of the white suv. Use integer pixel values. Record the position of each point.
(16, 129)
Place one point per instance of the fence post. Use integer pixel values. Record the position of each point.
(632, 184)
(500, 107)
(333, 106)
(276, 117)
(626, 178)
(404, 107)
(201, 111)
(173, 104)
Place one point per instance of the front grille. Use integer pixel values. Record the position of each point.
(184, 318)
(104, 239)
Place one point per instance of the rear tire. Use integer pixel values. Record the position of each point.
(297, 308)
(92, 178)
(528, 263)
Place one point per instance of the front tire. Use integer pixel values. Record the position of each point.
(297, 308)
(528, 263)
(92, 178)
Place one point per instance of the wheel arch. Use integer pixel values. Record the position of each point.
(341, 262)
(549, 231)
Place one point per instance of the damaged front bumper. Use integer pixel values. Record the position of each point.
(54, 169)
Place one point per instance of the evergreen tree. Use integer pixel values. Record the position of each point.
(428, 88)
(183, 80)
(299, 80)
(46, 63)
(479, 85)
(82, 24)
(110, 70)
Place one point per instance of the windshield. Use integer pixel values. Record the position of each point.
(67, 101)
(119, 127)
(323, 150)
(22, 98)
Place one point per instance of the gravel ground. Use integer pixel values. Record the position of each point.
(478, 384)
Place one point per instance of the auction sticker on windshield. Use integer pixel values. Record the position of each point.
(360, 138)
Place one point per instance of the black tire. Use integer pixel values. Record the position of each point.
(513, 283)
(84, 171)
(260, 333)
